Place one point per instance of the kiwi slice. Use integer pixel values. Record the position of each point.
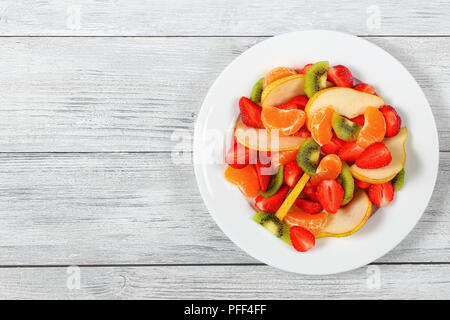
(316, 78)
(271, 223)
(255, 96)
(399, 180)
(345, 129)
(308, 156)
(275, 183)
(347, 182)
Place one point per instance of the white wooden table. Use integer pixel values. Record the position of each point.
(91, 93)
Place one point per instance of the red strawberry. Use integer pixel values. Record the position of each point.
(303, 132)
(301, 101)
(330, 194)
(350, 151)
(375, 156)
(310, 191)
(309, 206)
(287, 106)
(359, 120)
(250, 113)
(305, 68)
(292, 173)
(239, 156)
(381, 194)
(333, 146)
(273, 203)
(263, 177)
(340, 76)
(362, 184)
(392, 119)
(364, 87)
(298, 102)
(302, 240)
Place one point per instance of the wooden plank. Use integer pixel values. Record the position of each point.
(221, 17)
(131, 94)
(224, 282)
(139, 208)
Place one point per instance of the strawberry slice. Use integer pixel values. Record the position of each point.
(298, 102)
(305, 68)
(310, 207)
(333, 146)
(303, 132)
(362, 184)
(364, 87)
(263, 177)
(392, 119)
(301, 239)
(272, 204)
(350, 151)
(330, 194)
(375, 156)
(239, 156)
(381, 194)
(292, 173)
(310, 191)
(340, 76)
(250, 113)
(359, 120)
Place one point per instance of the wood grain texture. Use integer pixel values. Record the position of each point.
(221, 17)
(131, 94)
(225, 282)
(139, 208)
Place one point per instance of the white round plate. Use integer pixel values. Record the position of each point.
(368, 63)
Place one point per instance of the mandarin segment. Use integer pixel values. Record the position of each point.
(277, 73)
(286, 121)
(329, 169)
(246, 179)
(314, 223)
(374, 128)
(320, 126)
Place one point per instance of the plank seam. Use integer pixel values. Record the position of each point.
(191, 265)
(218, 36)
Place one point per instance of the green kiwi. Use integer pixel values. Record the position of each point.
(275, 183)
(316, 78)
(271, 223)
(308, 156)
(345, 129)
(399, 180)
(286, 237)
(347, 182)
(255, 96)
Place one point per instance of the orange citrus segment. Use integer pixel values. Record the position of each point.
(311, 222)
(374, 128)
(286, 121)
(320, 126)
(246, 179)
(283, 157)
(277, 73)
(329, 168)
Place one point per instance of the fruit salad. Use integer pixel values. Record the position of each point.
(314, 153)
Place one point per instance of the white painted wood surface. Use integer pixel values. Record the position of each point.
(87, 115)
(404, 281)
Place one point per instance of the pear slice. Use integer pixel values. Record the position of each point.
(345, 101)
(348, 219)
(263, 140)
(284, 89)
(281, 90)
(396, 146)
